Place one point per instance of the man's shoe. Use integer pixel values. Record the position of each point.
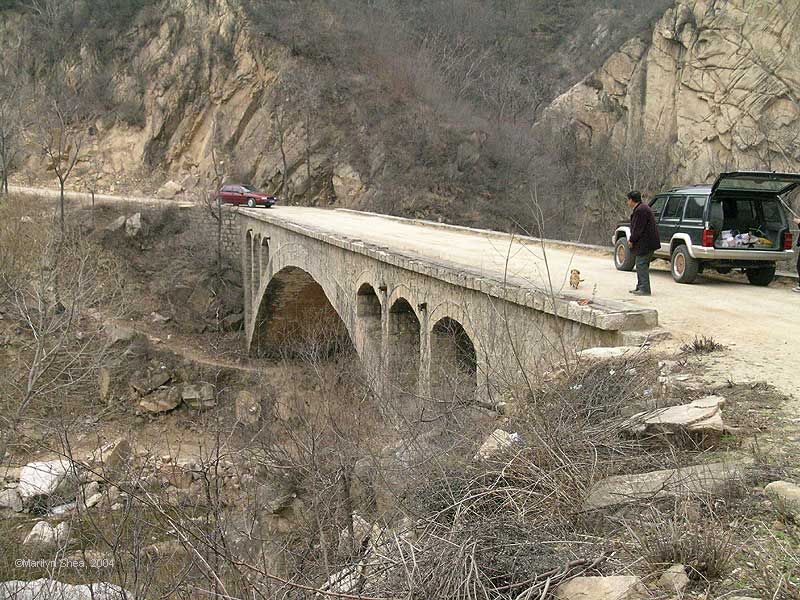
(640, 293)
(633, 291)
(796, 289)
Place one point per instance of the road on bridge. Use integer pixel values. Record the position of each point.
(760, 326)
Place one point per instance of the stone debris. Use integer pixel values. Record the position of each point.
(44, 536)
(674, 579)
(111, 457)
(11, 499)
(608, 353)
(134, 225)
(199, 397)
(116, 224)
(51, 481)
(703, 416)
(621, 587)
(169, 190)
(712, 478)
(248, 408)
(161, 401)
(49, 589)
(104, 380)
(144, 383)
(785, 497)
(499, 441)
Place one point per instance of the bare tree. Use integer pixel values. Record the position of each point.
(61, 139)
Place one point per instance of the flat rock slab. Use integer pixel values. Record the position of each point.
(57, 478)
(161, 401)
(608, 353)
(498, 442)
(700, 416)
(713, 478)
(786, 498)
(602, 588)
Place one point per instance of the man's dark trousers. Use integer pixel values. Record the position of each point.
(643, 272)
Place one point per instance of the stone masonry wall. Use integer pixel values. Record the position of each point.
(204, 224)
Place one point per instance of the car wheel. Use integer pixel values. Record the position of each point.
(251, 202)
(684, 267)
(623, 257)
(762, 276)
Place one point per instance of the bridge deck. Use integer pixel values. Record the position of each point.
(518, 270)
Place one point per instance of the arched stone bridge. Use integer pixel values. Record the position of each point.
(429, 326)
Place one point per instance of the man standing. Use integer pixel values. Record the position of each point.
(643, 241)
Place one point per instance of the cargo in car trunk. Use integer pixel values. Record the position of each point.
(747, 221)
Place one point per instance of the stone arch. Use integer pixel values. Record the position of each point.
(403, 348)
(453, 362)
(295, 314)
(369, 329)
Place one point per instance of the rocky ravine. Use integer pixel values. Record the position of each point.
(718, 82)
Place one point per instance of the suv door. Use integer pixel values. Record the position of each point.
(671, 217)
(693, 218)
(657, 206)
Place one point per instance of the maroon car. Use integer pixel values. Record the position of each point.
(236, 193)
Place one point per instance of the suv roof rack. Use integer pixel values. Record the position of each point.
(686, 187)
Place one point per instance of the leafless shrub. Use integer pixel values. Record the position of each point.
(702, 345)
(705, 545)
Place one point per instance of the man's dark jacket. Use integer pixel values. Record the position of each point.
(644, 232)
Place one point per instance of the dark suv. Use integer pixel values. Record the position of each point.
(740, 222)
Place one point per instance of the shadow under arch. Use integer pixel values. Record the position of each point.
(403, 349)
(454, 363)
(295, 317)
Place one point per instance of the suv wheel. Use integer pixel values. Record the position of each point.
(684, 267)
(623, 257)
(763, 276)
(251, 202)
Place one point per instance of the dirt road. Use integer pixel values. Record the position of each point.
(760, 326)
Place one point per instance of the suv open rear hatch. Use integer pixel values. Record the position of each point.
(755, 181)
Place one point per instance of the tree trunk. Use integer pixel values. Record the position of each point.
(61, 197)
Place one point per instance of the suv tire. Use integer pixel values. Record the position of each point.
(684, 268)
(623, 257)
(762, 277)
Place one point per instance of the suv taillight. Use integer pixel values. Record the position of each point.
(787, 240)
(708, 238)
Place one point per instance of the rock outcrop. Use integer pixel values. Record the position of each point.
(717, 82)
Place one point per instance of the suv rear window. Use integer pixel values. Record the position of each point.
(694, 208)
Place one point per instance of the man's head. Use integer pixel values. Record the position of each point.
(634, 198)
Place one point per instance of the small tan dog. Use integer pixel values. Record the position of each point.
(575, 278)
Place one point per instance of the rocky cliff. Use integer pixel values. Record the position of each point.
(718, 82)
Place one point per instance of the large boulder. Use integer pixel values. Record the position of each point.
(134, 225)
(785, 497)
(49, 589)
(621, 587)
(709, 479)
(169, 190)
(497, 443)
(44, 536)
(48, 483)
